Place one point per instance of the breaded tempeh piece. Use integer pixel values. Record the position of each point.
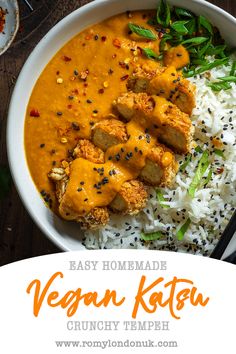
(160, 168)
(98, 217)
(87, 150)
(172, 126)
(128, 104)
(131, 198)
(142, 75)
(109, 132)
(167, 83)
(95, 219)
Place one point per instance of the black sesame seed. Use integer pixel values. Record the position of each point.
(86, 199)
(59, 113)
(117, 157)
(96, 37)
(76, 72)
(75, 126)
(79, 189)
(89, 101)
(42, 145)
(82, 183)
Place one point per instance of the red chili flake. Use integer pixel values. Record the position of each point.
(140, 49)
(123, 78)
(85, 84)
(104, 38)
(116, 42)
(69, 106)
(101, 91)
(122, 64)
(65, 58)
(114, 56)
(160, 35)
(220, 170)
(75, 92)
(58, 72)
(34, 113)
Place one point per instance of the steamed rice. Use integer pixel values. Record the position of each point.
(213, 205)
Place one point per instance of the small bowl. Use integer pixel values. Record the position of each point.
(64, 234)
(12, 24)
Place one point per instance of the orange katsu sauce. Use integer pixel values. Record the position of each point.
(76, 90)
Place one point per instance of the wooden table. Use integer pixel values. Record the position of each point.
(20, 238)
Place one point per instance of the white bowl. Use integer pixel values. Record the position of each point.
(12, 24)
(64, 234)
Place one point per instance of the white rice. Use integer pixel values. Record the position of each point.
(211, 208)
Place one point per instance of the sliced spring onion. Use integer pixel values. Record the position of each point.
(142, 32)
(195, 40)
(208, 178)
(161, 199)
(152, 236)
(179, 27)
(218, 86)
(228, 78)
(203, 22)
(165, 38)
(216, 50)
(180, 12)
(186, 163)
(204, 49)
(201, 169)
(191, 26)
(198, 149)
(182, 231)
(150, 54)
(233, 68)
(212, 65)
(219, 153)
(163, 14)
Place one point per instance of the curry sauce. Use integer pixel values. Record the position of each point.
(74, 92)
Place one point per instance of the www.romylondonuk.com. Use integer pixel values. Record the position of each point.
(117, 344)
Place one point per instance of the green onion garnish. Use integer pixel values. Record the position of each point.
(219, 153)
(201, 169)
(186, 163)
(208, 178)
(161, 199)
(163, 14)
(150, 54)
(142, 32)
(198, 149)
(152, 236)
(181, 232)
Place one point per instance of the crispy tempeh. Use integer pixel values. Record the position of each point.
(170, 125)
(167, 83)
(160, 168)
(109, 132)
(131, 198)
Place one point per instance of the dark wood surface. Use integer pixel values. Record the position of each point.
(20, 238)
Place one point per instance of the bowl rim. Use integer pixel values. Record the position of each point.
(17, 25)
(48, 231)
